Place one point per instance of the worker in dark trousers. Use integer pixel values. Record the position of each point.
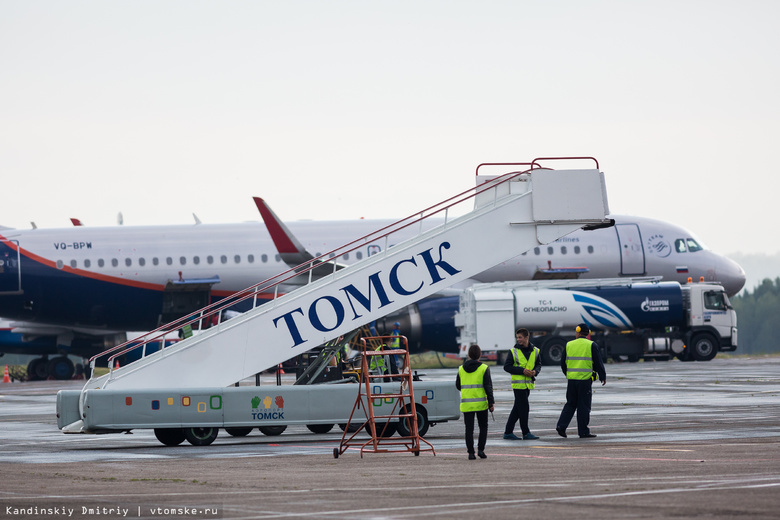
(476, 398)
(580, 363)
(523, 363)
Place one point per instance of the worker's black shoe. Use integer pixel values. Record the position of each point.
(588, 436)
(511, 437)
(561, 432)
(472, 456)
(481, 454)
(529, 437)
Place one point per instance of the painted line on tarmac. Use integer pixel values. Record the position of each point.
(416, 511)
(578, 457)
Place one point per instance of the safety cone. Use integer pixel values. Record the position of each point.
(116, 365)
(6, 377)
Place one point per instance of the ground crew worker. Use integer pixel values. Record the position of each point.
(523, 363)
(580, 361)
(395, 343)
(378, 362)
(476, 398)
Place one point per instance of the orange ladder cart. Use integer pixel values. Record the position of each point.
(380, 390)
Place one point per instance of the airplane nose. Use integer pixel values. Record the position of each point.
(732, 277)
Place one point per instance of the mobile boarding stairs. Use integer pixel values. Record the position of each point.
(505, 216)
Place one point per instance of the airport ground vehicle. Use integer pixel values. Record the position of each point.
(631, 319)
(188, 387)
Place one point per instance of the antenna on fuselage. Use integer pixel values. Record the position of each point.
(120, 219)
(197, 220)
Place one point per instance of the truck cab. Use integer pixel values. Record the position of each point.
(711, 319)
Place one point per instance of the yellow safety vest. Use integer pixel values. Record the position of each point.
(579, 359)
(521, 381)
(473, 397)
(378, 362)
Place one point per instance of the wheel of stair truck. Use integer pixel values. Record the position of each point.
(272, 431)
(353, 427)
(405, 429)
(553, 350)
(704, 347)
(320, 428)
(238, 432)
(201, 436)
(385, 429)
(169, 436)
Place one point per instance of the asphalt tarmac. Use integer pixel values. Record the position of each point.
(675, 440)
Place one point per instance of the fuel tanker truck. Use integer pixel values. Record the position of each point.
(630, 318)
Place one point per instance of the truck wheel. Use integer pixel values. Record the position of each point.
(384, 432)
(685, 355)
(201, 436)
(169, 436)
(272, 431)
(353, 427)
(703, 346)
(320, 428)
(404, 428)
(553, 350)
(238, 432)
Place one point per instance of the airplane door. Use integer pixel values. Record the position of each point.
(182, 297)
(632, 254)
(10, 268)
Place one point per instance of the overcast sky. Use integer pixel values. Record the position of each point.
(339, 109)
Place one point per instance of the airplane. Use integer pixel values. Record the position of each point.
(76, 290)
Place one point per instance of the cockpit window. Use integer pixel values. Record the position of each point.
(715, 300)
(689, 245)
(693, 245)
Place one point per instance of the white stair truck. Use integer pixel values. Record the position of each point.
(187, 390)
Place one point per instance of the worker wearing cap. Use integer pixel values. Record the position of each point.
(523, 363)
(476, 399)
(579, 363)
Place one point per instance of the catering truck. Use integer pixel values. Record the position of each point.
(630, 319)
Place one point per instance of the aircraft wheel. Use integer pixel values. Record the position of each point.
(553, 350)
(272, 431)
(37, 369)
(61, 368)
(238, 432)
(320, 428)
(201, 436)
(405, 429)
(169, 436)
(704, 347)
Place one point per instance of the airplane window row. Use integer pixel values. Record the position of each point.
(182, 260)
(564, 250)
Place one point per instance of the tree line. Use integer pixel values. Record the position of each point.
(758, 314)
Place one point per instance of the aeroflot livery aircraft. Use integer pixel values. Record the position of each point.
(76, 290)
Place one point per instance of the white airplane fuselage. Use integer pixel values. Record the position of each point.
(95, 280)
